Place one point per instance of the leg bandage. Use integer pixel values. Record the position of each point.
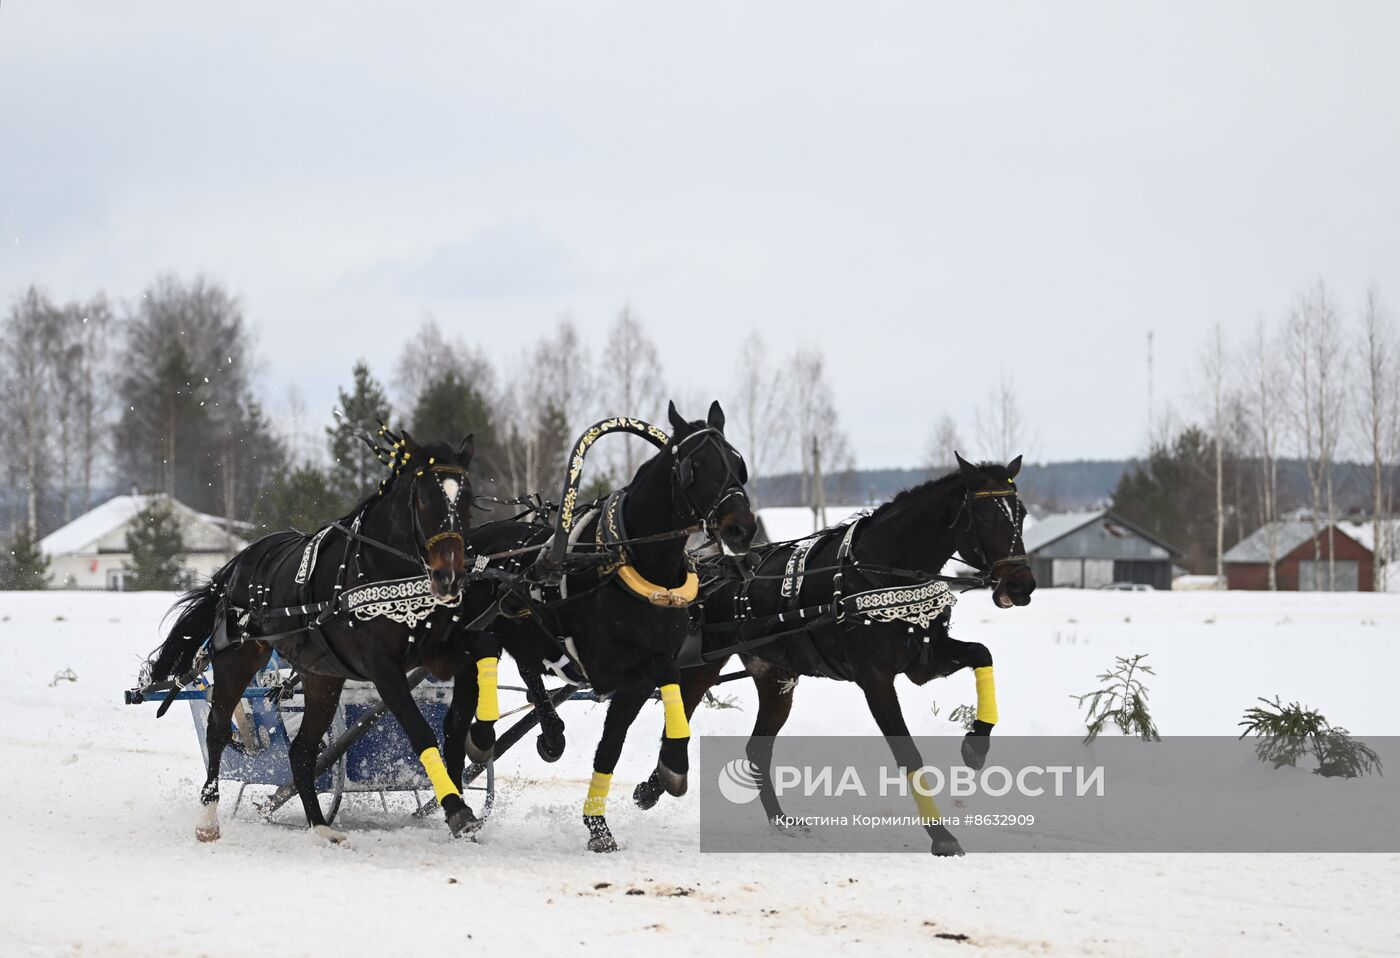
(986, 695)
(927, 807)
(676, 724)
(597, 801)
(488, 702)
(437, 774)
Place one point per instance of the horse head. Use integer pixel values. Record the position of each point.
(991, 531)
(709, 476)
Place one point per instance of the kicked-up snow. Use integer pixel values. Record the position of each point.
(98, 857)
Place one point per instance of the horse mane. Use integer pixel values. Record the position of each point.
(941, 485)
(430, 450)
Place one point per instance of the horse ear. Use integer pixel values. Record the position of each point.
(678, 424)
(1013, 468)
(716, 416)
(408, 441)
(968, 470)
(467, 449)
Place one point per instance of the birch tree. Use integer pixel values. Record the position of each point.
(1213, 373)
(632, 386)
(25, 359)
(1000, 427)
(757, 409)
(822, 444)
(1376, 388)
(944, 441)
(1261, 368)
(1315, 352)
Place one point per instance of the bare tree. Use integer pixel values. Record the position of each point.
(822, 444)
(1375, 386)
(26, 361)
(944, 441)
(92, 378)
(428, 356)
(1315, 351)
(633, 386)
(550, 398)
(758, 419)
(1000, 428)
(1261, 365)
(1213, 374)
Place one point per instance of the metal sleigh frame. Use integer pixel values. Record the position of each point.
(361, 754)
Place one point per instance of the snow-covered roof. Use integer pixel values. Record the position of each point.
(1056, 526)
(1365, 533)
(83, 533)
(782, 523)
(1288, 535)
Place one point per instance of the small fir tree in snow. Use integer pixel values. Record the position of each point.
(157, 549)
(1122, 700)
(23, 565)
(1289, 732)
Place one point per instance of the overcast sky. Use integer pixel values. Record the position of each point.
(935, 194)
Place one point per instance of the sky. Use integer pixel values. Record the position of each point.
(936, 195)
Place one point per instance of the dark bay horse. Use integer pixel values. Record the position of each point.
(620, 624)
(974, 511)
(381, 586)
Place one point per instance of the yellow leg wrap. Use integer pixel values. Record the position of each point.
(597, 801)
(437, 774)
(927, 807)
(986, 695)
(488, 700)
(676, 725)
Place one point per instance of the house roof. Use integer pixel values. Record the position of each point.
(1053, 528)
(1288, 534)
(83, 533)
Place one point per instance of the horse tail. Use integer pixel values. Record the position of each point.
(199, 610)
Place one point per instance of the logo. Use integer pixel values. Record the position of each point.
(739, 780)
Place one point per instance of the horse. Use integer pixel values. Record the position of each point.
(882, 618)
(387, 607)
(619, 625)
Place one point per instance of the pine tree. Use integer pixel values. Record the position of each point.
(23, 565)
(354, 469)
(157, 549)
(304, 500)
(448, 409)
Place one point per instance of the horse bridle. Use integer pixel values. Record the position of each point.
(1015, 560)
(683, 472)
(450, 528)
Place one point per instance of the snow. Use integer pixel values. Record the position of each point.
(785, 523)
(100, 805)
(83, 534)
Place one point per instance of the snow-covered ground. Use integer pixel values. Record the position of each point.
(98, 856)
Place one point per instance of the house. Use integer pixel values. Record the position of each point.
(90, 552)
(1297, 567)
(1089, 550)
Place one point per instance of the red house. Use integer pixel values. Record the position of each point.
(1299, 567)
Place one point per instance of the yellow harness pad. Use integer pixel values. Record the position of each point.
(676, 724)
(437, 774)
(597, 801)
(986, 695)
(927, 807)
(679, 597)
(488, 701)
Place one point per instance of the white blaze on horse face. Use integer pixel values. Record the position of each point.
(451, 488)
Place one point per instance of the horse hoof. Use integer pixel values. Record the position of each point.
(945, 845)
(464, 823)
(551, 749)
(673, 782)
(600, 837)
(329, 834)
(207, 833)
(974, 750)
(480, 752)
(648, 793)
